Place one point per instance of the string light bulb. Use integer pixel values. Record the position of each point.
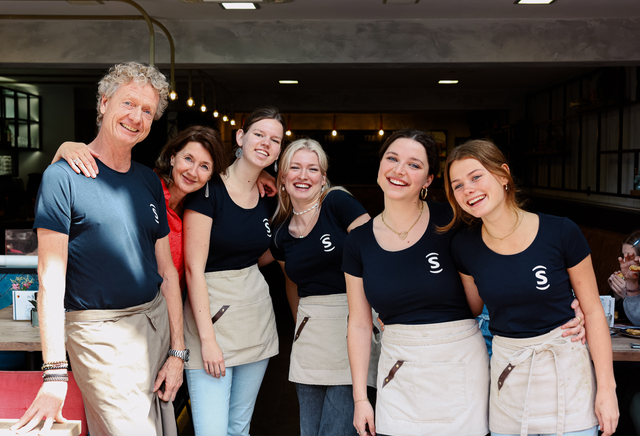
(288, 132)
(173, 95)
(232, 122)
(203, 108)
(334, 132)
(215, 113)
(190, 102)
(381, 131)
(225, 118)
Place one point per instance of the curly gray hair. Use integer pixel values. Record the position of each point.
(138, 73)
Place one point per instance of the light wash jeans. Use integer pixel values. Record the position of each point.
(483, 323)
(593, 431)
(224, 406)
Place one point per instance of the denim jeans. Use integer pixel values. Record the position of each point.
(593, 431)
(483, 323)
(325, 410)
(224, 406)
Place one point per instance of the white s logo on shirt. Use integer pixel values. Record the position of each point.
(541, 275)
(434, 263)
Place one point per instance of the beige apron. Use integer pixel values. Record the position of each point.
(544, 384)
(243, 317)
(433, 379)
(116, 356)
(319, 353)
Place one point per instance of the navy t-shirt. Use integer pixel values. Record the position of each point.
(238, 236)
(314, 263)
(529, 293)
(417, 285)
(113, 223)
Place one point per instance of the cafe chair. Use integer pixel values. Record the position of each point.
(19, 388)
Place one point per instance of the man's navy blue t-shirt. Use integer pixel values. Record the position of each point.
(113, 223)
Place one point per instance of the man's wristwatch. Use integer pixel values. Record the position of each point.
(183, 354)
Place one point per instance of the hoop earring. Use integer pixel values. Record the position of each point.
(423, 194)
(239, 153)
(206, 190)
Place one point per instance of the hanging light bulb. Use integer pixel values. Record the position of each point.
(190, 101)
(381, 131)
(203, 108)
(334, 132)
(173, 95)
(215, 113)
(225, 118)
(232, 122)
(288, 132)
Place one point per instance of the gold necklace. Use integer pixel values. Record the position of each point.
(518, 222)
(301, 234)
(403, 235)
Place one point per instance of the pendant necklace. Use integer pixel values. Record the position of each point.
(518, 222)
(403, 235)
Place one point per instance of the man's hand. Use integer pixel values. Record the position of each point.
(171, 375)
(47, 405)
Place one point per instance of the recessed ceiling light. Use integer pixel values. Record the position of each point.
(288, 82)
(533, 2)
(447, 82)
(238, 5)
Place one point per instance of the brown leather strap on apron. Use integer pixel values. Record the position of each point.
(217, 316)
(392, 373)
(302, 324)
(504, 375)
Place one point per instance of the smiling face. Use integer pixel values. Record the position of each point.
(404, 169)
(128, 114)
(192, 167)
(261, 143)
(477, 191)
(304, 180)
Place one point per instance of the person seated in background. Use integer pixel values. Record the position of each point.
(626, 285)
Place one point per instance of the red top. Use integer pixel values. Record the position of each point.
(175, 235)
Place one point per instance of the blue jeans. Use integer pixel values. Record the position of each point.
(593, 431)
(483, 323)
(325, 410)
(224, 406)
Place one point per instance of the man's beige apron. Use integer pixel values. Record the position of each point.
(544, 384)
(116, 356)
(242, 316)
(319, 353)
(433, 379)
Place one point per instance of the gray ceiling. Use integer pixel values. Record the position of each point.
(170, 10)
(313, 77)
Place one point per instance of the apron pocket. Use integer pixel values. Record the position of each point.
(575, 366)
(403, 397)
(322, 344)
(245, 326)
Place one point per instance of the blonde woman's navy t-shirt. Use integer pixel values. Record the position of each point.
(314, 263)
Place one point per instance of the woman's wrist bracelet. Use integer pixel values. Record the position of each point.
(356, 401)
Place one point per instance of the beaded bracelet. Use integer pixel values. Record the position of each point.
(55, 365)
(54, 378)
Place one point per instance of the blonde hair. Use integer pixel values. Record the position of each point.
(285, 208)
(138, 73)
(493, 160)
